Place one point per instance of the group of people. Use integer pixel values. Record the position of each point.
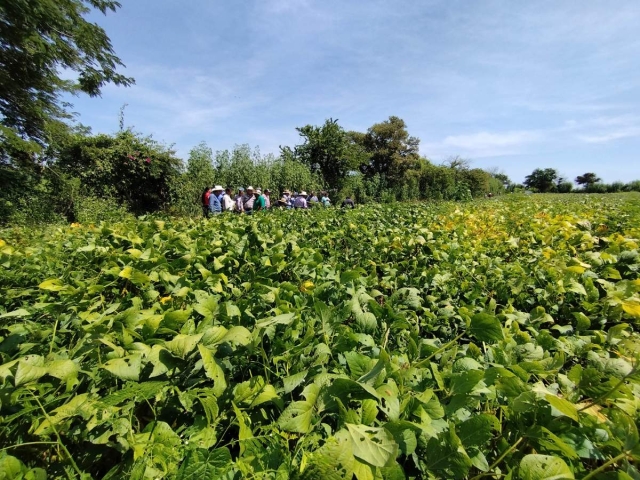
(218, 199)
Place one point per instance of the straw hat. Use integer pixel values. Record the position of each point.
(303, 193)
(249, 188)
(218, 187)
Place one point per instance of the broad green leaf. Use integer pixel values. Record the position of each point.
(297, 416)
(127, 368)
(544, 467)
(202, 463)
(53, 285)
(21, 312)
(10, 467)
(465, 382)
(563, 406)
(238, 335)
(284, 319)
(477, 430)
(375, 446)
(208, 307)
(182, 345)
(485, 328)
(213, 370)
(30, 369)
(333, 461)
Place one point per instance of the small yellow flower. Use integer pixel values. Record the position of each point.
(164, 300)
(75, 225)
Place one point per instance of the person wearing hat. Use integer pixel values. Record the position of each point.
(215, 205)
(239, 205)
(301, 200)
(286, 195)
(247, 200)
(259, 203)
(267, 198)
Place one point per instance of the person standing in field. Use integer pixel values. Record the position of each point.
(259, 203)
(326, 202)
(312, 200)
(347, 202)
(205, 201)
(214, 200)
(247, 201)
(267, 198)
(301, 200)
(228, 203)
(239, 205)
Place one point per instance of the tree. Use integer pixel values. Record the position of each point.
(327, 149)
(391, 149)
(38, 40)
(134, 170)
(587, 179)
(542, 180)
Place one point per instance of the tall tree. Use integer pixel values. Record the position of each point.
(587, 179)
(38, 40)
(327, 149)
(543, 180)
(392, 150)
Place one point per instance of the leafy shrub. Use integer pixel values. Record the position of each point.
(92, 210)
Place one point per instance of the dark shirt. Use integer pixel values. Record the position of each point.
(347, 202)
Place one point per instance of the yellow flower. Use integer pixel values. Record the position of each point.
(164, 300)
(75, 225)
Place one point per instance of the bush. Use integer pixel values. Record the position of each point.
(90, 209)
(565, 187)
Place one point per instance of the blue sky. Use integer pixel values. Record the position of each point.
(507, 85)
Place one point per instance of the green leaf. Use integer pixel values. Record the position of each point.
(182, 345)
(297, 416)
(375, 446)
(30, 369)
(53, 285)
(10, 467)
(213, 370)
(485, 328)
(201, 463)
(238, 335)
(466, 381)
(284, 319)
(21, 312)
(207, 307)
(349, 276)
(544, 467)
(127, 368)
(478, 430)
(563, 406)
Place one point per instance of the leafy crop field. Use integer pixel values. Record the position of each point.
(494, 339)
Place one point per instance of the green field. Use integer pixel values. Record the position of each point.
(491, 339)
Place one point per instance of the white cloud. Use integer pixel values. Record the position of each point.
(608, 137)
(484, 144)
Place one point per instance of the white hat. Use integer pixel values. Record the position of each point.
(258, 191)
(249, 188)
(303, 193)
(217, 187)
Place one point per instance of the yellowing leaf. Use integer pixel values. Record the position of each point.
(632, 307)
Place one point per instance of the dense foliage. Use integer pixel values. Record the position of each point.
(493, 339)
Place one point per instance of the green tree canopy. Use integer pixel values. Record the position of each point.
(587, 179)
(390, 147)
(327, 149)
(543, 180)
(39, 39)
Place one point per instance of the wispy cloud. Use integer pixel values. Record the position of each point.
(484, 144)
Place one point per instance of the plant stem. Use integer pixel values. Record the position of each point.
(605, 465)
(59, 442)
(53, 337)
(27, 444)
(500, 458)
(613, 389)
(444, 347)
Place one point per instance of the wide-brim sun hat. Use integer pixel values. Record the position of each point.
(258, 191)
(249, 188)
(303, 193)
(218, 187)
